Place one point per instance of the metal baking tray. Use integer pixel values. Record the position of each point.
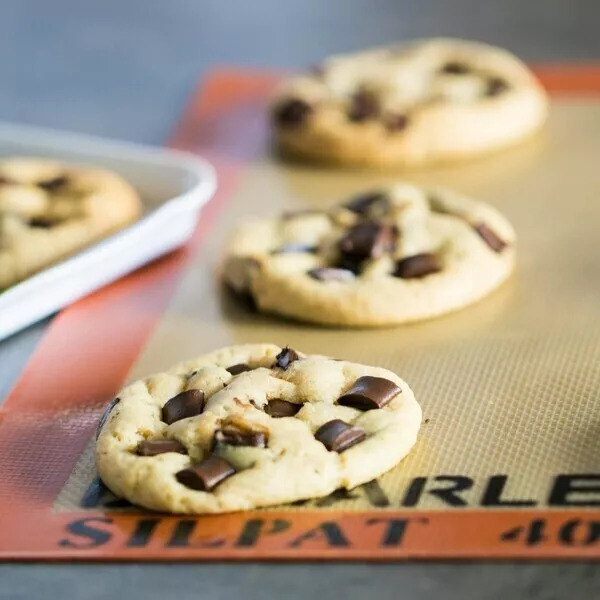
(173, 185)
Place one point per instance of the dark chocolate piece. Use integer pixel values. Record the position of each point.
(349, 263)
(184, 405)
(278, 408)
(363, 105)
(236, 437)
(361, 204)
(239, 368)
(106, 414)
(369, 393)
(496, 86)
(248, 300)
(367, 240)
(337, 435)
(152, 448)
(490, 237)
(331, 274)
(243, 296)
(455, 68)
(54, 184)
(205, 475)
(41, 222)
(396, 122)
(285, 358)
(292, 113)
(416, 266)
(294, 249)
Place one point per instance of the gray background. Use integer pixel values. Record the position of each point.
(124, 68)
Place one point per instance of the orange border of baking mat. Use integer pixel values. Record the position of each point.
(89, 349)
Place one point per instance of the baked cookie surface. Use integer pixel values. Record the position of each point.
(253, 425)
(49, 210)
(408, 105)
(393, 256)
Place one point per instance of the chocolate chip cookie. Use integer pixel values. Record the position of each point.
(253, 425)
(409, 105)
(49, 210)
(384, 257)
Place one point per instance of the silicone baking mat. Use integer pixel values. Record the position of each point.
(507, 463)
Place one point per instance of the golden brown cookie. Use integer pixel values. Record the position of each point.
(409, 105)
(386, 257)
(253, 425)
(49, 210)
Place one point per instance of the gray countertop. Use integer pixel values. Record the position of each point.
(125, 69)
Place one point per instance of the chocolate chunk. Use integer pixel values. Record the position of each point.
(455, 68)
(41, 222)
(294, 249)
(235, 437)
(206, 475)
(363, 105)
(369, 393)
(367, 240)
(416, 266)
(152, 448)
(395, 122)
(245, 297)
(54, 184)
(292, 113)
(495, 86)
(361, 204)
(184, 405)
(106, 414)
(331, 274)
(7, 180)
(240, 368)
(337, 435)
(349, 263)
(490, 237)
(285, 358)
(278, 408)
